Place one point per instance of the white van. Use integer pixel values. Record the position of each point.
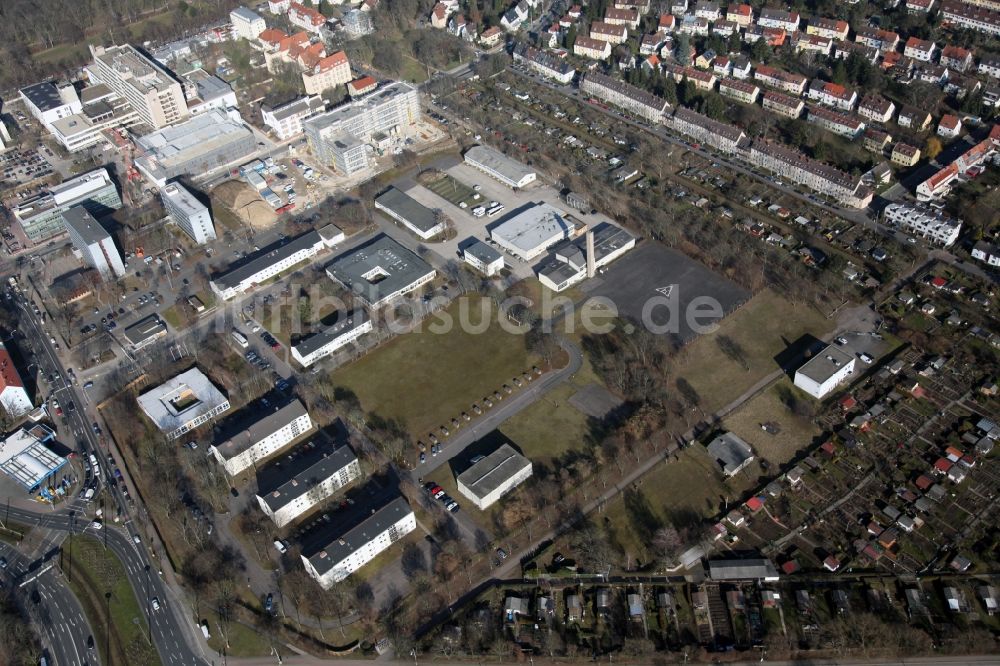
(93, 464)
(204, 629)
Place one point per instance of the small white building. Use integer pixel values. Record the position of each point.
(304, 478)
(286, 120)
(924, 222)
(13, 395)
(483, 258)
(825, 371)
(262, 438)
(493, 476)
(191, 215)
(510, 172)
(183, 403)
(347, 328)
(246, 24)
(356, 547)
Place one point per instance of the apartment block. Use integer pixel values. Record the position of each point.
(876, 108)
(263, 438)
(625, 96)
(832, 94)
(710, 132)
(286, 120)
(815, 175)
(925, 222)
(148, 88)
(612, 34)
(596, 49)
(905, 154)
(782, 80)
(829, 28)
(790, 107)
(836, 122)
(189, 214)
(246, 24)
(739, 90)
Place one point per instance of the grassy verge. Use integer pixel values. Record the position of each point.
(93, 571)
(796, 432)
(13, 533)
(243, 641)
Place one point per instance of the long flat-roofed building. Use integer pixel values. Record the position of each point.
(271, 263)
(380, 271)
(824, 372)
(625, 96)
(183, 403)
(94, 243)
(529, 233)
(40, 217)
(49, 102)
(355, 547)
(145, 332)
(924, 222)
(348, 327)
(25, 457)
(759, 569)
(569, 263)
(208, 141)
(188, 213)
(286, 120)
(508, 171)
(307, 475)
(494, 476)
(150, 89)
(263, 438)
(412, 214)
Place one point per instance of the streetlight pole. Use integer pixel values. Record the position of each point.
(107, 623)
(149, 616)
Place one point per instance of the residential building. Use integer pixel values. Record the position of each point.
(358, 22)
(413, 215)
(876, 108)
(815, 175)
(721, 136)
(199, 146)
(597, 49)
(836, 122)
(351, 549)
(739, 90)
(304, 478)
(49, 102)
(246, 24)
(701, 80)
(825, 371)
(204, 92)
(790, 107)
(279, 7)
(693, 25)
(93, 243)
(40, 216)
(987, 253)
(919, 6)
(544, 63)
(881, 40)
(278, 259)
(949, 126)
(829, 28)
(741, 14)
(491, 37)
(529, 233)
(779, 18)
(731, 453)
(342, 136)
(725, 28)
(626, 17)
(678, 7)
(925, 222)
(919, 49)
(913, 118)
(784, 81)
(707, 10)
(741, 68)
(306, 18)
(346, 328)
(970, 17)
(145, 332)
(380, 271)
(264, 437)
(286, 120)
(149, 89)
(876, 140)
(844, 50)
(814, 43)
(957, 58)
(13, 395)
(493, 476)
(905, 155)
(625, 96)
(990, 66)
(361, 86)
(569, 263)
(330, 72)
(188, 213)
(183, 403)
(832, 94)
(612, 34)
(483, 257)
(495, 164)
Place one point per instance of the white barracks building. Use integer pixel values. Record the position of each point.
(296, 483)
(263, 438)
(824, 372)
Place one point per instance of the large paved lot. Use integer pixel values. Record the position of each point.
(652, 271)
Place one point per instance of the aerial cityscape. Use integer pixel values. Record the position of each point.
(467, 332)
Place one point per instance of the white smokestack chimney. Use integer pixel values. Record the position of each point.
(590, 252)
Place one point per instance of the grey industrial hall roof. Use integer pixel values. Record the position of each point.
(144, 329)
(245, 13)
(730, 451)
(344, 323)
(489, 473)
(403, 268)
(825, 364)
(44, 95)
(83, 223)
(260, 429)
(350, 541)
(751, 569)
(300, 471)
(408, 208)
(505, 166)
(235, 277)
(482, 251)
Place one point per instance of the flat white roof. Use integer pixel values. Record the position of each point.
(497, 161)
(825, 364)
(181, 197)
(25, 458)
(534, 229)
(181, 399)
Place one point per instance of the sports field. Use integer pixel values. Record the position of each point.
(452, 190)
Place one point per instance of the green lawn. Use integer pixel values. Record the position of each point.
(455, 191)
(412, 70)
(796, 432)
(93, 571)
(762, 328)
(424, 379)
(244, 641)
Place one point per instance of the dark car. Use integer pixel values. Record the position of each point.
(234, 492)
(269, 603)
(90, 642)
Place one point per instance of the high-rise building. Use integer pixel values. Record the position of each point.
(40, 217)
(96, 247)
(246, 24)
(149, 88)
(188, 213)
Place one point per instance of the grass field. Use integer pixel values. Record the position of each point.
(244, 641)
(424, 379)
(796, 432)
(96, 571)
(454, 191)
(762, 328)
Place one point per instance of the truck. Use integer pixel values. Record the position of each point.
(240, 339)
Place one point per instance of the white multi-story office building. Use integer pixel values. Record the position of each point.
(302, 479)
(246, 24)
(191, 215)
(482, 257)
(380, 271)
(183, 403)
(286, 120)
(356, 547)
(48, 102)
(347, 328)
(824, 372)
(94, 243)
(924, 222)
(149, 89)
(41, 217)
(494, 476)
(263, 438)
